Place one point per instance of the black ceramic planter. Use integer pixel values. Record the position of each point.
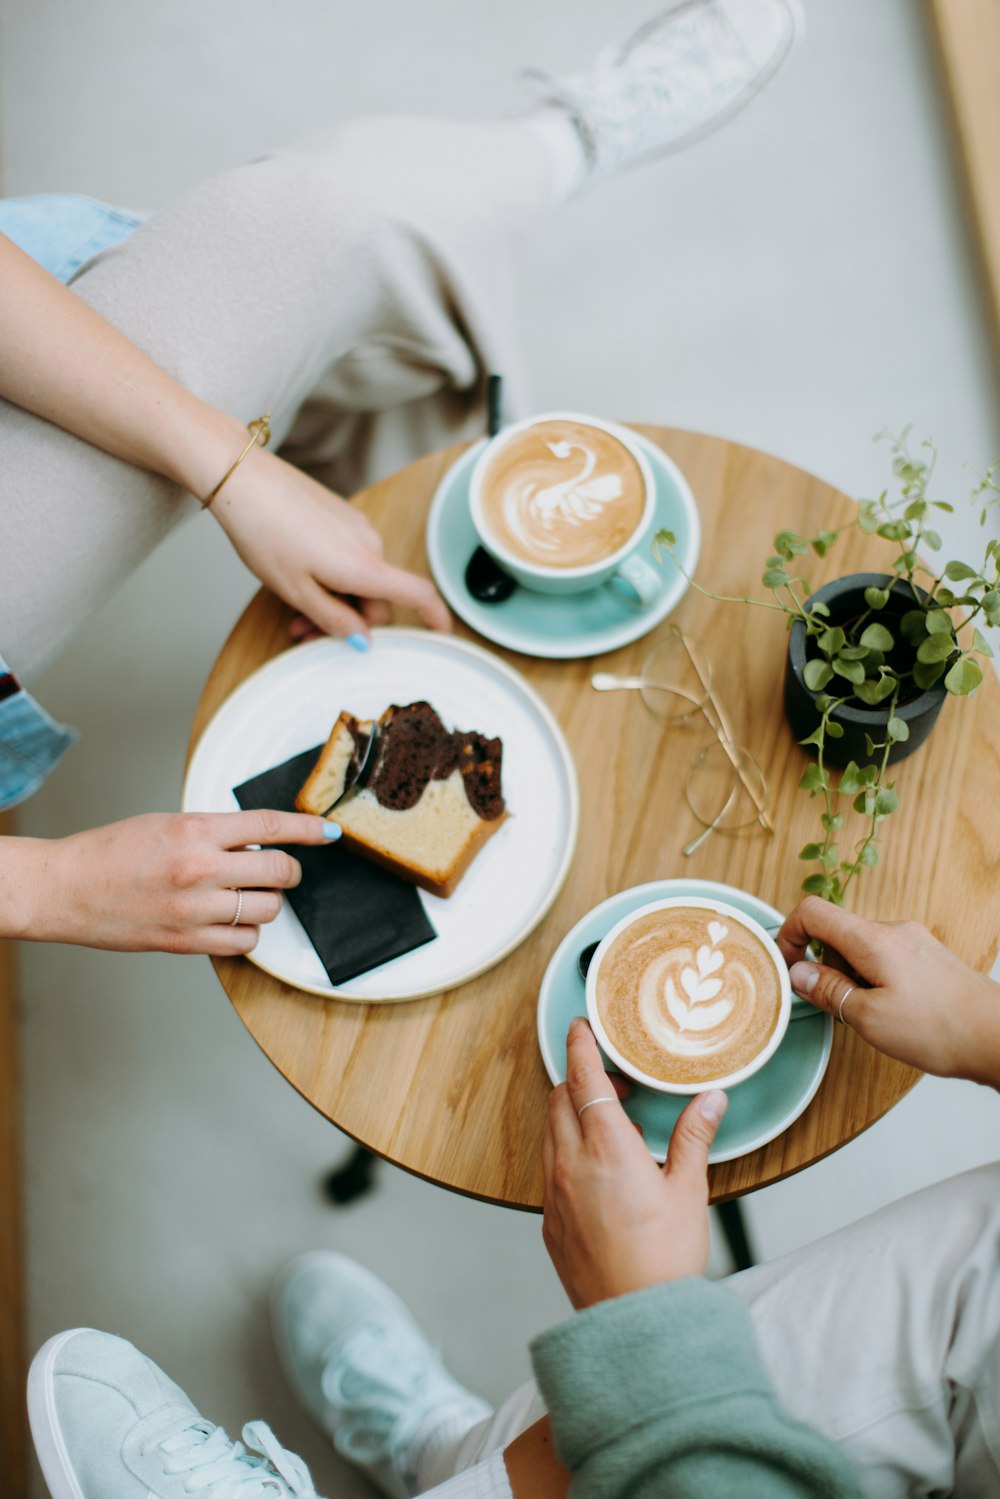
(845, 598)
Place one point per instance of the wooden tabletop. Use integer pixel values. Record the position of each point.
(452, 1087)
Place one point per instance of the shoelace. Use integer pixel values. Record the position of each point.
(381, 1390)
(230, 1470)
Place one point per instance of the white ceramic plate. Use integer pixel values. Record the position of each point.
(291, 703)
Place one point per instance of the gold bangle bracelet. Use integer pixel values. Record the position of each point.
(260, 432)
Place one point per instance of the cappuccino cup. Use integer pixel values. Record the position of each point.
(688, 994)
(563, 503)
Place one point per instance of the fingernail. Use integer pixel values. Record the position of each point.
(358, 642)
(803, 977)
(713, 1105)
(332, 830)
(576, 1023)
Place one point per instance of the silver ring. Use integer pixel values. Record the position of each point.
(604, 1098)
(840, 1008)
(239, 909)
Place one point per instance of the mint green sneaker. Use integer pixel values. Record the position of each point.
(108, 1424)
(365, 1371)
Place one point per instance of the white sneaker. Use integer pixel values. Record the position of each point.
(108, 1424)
(679, 77)
(365, 1371)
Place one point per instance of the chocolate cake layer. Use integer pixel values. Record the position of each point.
(415, 748)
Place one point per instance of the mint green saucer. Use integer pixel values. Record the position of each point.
(759, 1109)
(561, 628)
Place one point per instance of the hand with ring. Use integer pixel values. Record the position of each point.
(172, 882)
(614, 1220)
(900, 988)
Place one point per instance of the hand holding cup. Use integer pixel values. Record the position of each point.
(615, 1221)
(900, 988)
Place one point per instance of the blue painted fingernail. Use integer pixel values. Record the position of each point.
(358, 642)
(332, 830)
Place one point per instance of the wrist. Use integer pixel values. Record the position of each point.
(981, 1028)
(200, 448)
(24, 863)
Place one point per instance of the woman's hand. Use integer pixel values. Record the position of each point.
(316, 551)
(614, 1220)
(160, 883)
(909, 995)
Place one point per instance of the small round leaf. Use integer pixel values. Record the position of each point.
(935, 648)
(964, 677)
(886, 802)
(925, 675)
(816, 674)
(853, 671)
(878, 637)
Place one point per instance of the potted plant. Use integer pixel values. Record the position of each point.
(873, 657)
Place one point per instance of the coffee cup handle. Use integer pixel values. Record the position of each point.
(644, 580)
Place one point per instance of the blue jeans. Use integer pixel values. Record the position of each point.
(63, 231)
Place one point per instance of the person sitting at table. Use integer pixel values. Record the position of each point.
(355, 289)
(865, 1364)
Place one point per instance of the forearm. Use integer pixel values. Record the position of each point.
(64, 362)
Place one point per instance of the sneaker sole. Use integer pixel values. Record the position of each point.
(46, 1433)
(741, 101)
(755, 86)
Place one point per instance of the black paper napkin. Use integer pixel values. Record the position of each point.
(356, 915)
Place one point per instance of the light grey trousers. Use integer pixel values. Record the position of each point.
(359, 286)
(885, 1336)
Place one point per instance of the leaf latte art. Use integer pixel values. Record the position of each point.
(688, 996)
(561, 494)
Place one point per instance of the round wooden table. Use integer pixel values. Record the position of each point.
(452, 1087)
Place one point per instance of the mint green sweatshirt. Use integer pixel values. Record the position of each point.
(661, 1393)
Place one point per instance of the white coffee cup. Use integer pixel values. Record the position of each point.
(624, 564)
(729, 914)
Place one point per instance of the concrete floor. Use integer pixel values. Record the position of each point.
(798, 282)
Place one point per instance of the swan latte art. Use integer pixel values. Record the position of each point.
(561, 494)
(688, 995)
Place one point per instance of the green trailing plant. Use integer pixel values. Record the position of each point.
(936, 640)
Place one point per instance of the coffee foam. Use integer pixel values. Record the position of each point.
(563, 494)
(688, 995)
